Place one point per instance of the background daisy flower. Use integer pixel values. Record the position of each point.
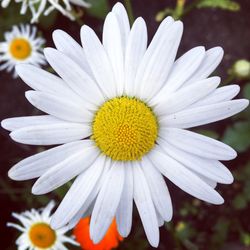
(21, 45)
(110, 241)
(121, 109)
(37, 233)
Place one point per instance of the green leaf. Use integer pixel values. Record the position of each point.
(99, 8)
(245, 239)
(238, 136)
(221, 4)
(240, 202)
(246, 91)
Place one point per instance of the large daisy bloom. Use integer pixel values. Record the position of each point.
(21, 45)
(121, 109)
(110, 241)
(37, 233)
(45, 7)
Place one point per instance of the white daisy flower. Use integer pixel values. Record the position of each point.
(121, 109)
(45, 7)
(37, 233)
(21, 45)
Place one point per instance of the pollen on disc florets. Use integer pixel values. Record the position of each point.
(42, 235)
(125, 128)
(20, 48)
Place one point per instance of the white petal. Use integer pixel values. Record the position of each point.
(107, 202)
(69, 110)
(51, 134)
(200, 145)
(112, 42)
(41, 80)
(160, 219)
(36, 165)
(66, 44)
(183, 178)
(186, 96)
(145, 206)
(88, 205)
(210, 182)
(156, 65)
(182, 69)
(98, 61)
(212, 59)
(125, 208)
(158, 189)
(205, 114)
(211, 169)
(222, 94)
(65, 170)
(122, 17)
(137, 45)
(78, 194)
(26, 121)
(75, 77)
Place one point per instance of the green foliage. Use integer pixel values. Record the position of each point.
(222, 4)
(238, 136)
(99, 8)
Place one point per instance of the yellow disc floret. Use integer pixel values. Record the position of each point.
(42, 235)
(125, 129)
(20, 48)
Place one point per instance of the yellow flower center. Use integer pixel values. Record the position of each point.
(125, 129)
(42, 235)
(20, 48)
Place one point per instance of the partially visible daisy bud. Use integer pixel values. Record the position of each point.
(37, 232)
(241, 69)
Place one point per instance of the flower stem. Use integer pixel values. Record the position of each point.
(129, 10)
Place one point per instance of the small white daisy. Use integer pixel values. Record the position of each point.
(121, 109)
(45, 7)
(21, 46)
(37, 233)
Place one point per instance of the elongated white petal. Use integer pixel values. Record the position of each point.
(69, 110)
(65, 171)
(158, 189)
(210, 62)
(182, 69)
(136, 47)
(145, 206)
(107, 202)
(155, 65)
(75, 77)
(112, 42)
(210, 182)
(122, 17)
(68, 46)
(200, 145)
(88, 205)
(78, 194)
(160, 219)
(36, 165)
(211, 169)
(125, 208)
(98, 61)
(183, 178)
(51, 134)
(186, 96)
(205, 114)
(26, 121)
(222, 94)
(41, 80)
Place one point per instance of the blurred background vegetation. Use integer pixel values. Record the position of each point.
(195, 225)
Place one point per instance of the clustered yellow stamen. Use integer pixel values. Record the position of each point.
(42, 235)
(125, 129)
(20, 48)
